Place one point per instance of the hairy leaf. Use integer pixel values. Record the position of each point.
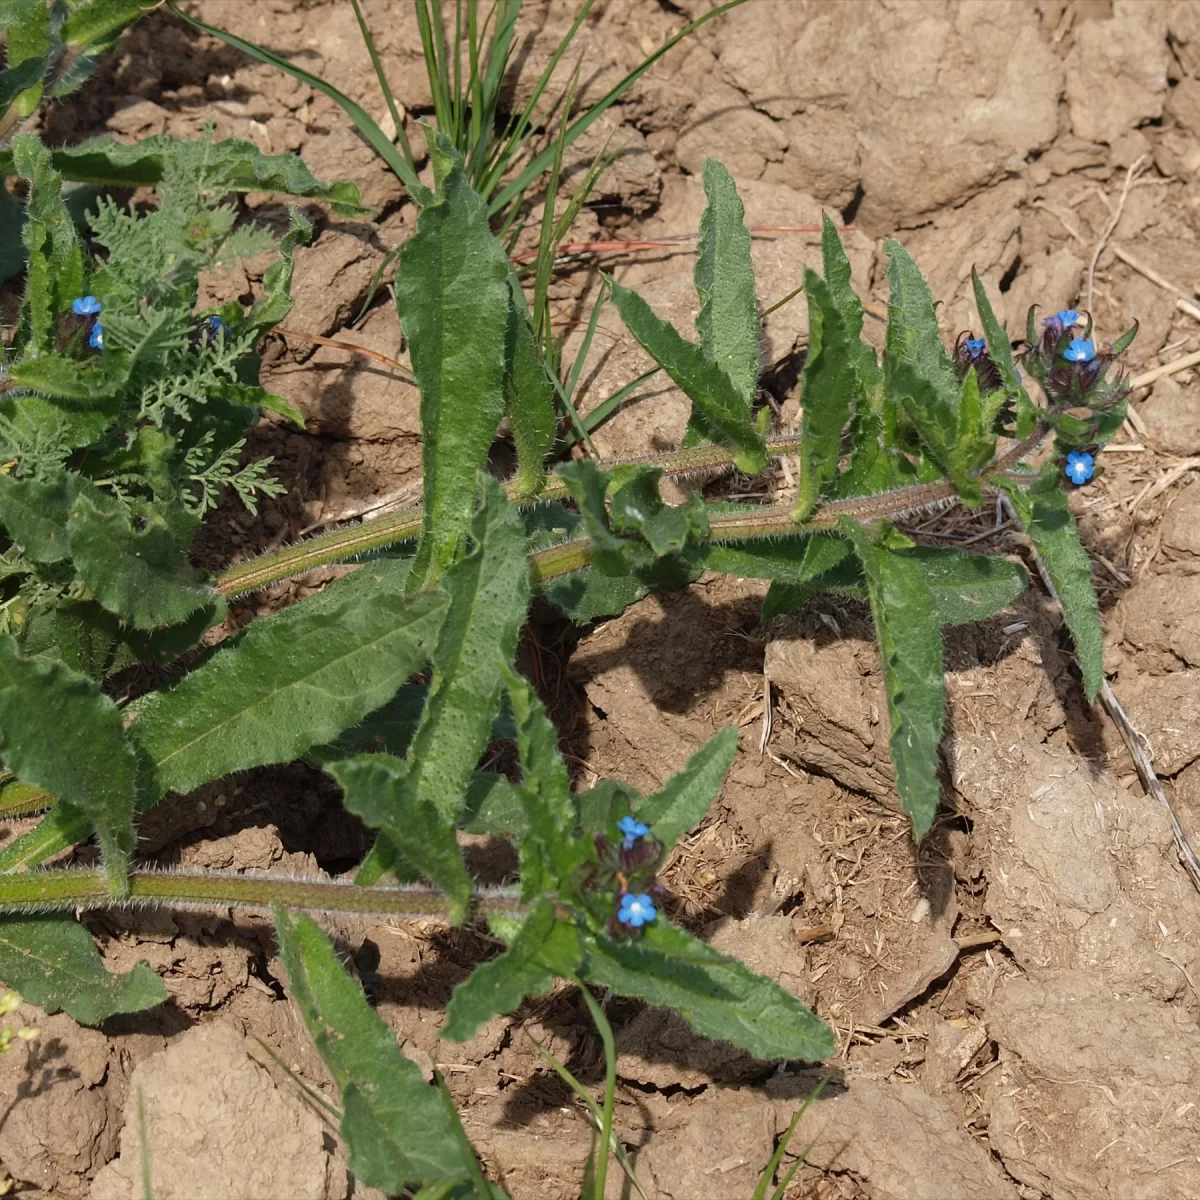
(489, 596)
(291, 680)
(453, 301)
(27, 35)
(724, 276)
(58, 731)
(528, 396)
(542, 948)
(142, 575)
(54, 963)
(1000, 352)
(829, 393)
(845, 298)
(587, 596)
(397, 1131)
(912, 332)
(682, 802)
(1044, 514)
(718, 996)
(968, 587)
(712, 393)
(375, 788)
(22, 75)
(95, 24)
(910, 652)
(35, 514)
(235, 166)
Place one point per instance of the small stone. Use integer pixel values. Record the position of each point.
(1172, 418)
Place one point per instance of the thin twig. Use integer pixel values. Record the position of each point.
(1171, 368)
(1184, 301)
(1131, 176)
(317, 340)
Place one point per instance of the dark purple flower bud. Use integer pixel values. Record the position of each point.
(970, 351)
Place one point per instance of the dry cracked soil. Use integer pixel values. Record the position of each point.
(1016, 1004)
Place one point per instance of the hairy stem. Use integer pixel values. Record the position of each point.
(69, 888)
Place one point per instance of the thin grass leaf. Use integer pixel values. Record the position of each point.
(397, 120)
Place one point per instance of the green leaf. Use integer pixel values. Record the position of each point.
(682, 802)
(19, 77)
(27, 35)
(912, 331)
(549, 852)
(232, 165)
(35, 514)
(54, 963)
(291, 680)
(375, 788)
(724, 277)
(254, 396)
(143, 575)
(638, 508)
(389, 730)
(528, 396)
(718, 996)
(78, 386)
(453, 301)
(524, 969)
(713, 394)
(397, 1131)
(489, 596)
(910, 652)
(277, 301)
(1047, 520)
(589, 595)
(968, 587)
(58, 731)
(1000, 352)
(95, 24)
(794, 559)
(12, 245)
(829, 393)
(845, 298)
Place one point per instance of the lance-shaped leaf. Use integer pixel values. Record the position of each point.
(724, 277)
(528, 395)
(94, 24)
(489, 596)
(291, 680)
(845, 298)
(27, 35)
(1000, 352)
(374, 788)
(24, 74)
(910, 652)
(968, 587)
(549, 852)
(398, 1133)
(685, 798)
(232, 164)
(718, 996)
(912, 331)
(140, 575)
(711, 391)
(453, 301)
(829, 394)
(58, 731)
(54, 963)
(1044, 514)
(543, 948)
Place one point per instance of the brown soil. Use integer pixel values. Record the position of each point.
(1016, 1005)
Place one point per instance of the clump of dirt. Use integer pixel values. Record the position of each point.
(1015, 1002)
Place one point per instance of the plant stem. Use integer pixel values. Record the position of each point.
(610, 1089)
(70, 888)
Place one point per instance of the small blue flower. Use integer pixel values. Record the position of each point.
(1080, 467)
(1067, 319)
(217, 325)
(633, 830)
(85, 306)
(975, 346)
(636, 911)
(1080, 350)
(96, 337)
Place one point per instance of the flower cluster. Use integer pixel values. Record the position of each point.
(970, 351)
(83, 319)
(625, 871)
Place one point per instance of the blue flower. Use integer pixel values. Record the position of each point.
(1066, 319)
(85, 306)
(96, 337)
(217, 325)
(1080, 467)
(1080, 350)
(636, 911)
(633, 830)
(975, 346)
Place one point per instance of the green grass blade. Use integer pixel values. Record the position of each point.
(386, 88)
(435, 66)
(581, 125)
(370, 130)
(910, 653)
